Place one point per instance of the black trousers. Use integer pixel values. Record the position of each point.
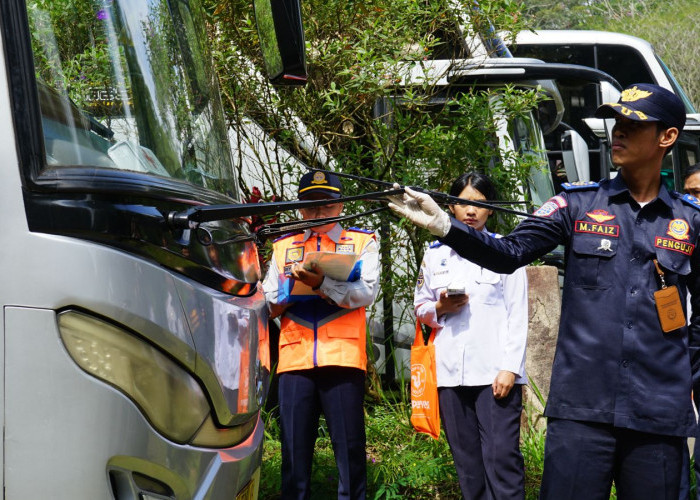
(484, 437)
(582, 459)
(338, 392)
(684, 492)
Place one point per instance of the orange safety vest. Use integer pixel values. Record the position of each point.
(313, 331)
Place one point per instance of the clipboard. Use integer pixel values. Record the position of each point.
(338, 266)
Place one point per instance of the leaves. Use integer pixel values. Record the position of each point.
(673, 27)
(356, 116)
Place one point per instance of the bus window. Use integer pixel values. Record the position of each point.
(126, 89)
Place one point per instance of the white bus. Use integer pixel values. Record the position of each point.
(629, 60)
(135, 355)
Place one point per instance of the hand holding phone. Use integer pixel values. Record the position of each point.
(455, 290)
(451, 300)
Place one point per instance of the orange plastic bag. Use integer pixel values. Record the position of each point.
(425, 411)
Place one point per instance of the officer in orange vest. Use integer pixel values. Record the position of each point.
(322, 347)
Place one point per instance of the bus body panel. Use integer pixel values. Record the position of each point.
(46, 458)
(69, 435)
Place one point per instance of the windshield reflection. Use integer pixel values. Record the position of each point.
(125, 84)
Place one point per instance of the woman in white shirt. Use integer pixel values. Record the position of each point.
(480, 355)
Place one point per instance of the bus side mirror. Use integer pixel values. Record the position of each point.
(575, 156)
(281, 36)
(608, 93)
(602, 128)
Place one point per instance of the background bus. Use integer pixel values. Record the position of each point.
(629, 60)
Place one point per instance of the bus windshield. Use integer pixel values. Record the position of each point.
(125, 85)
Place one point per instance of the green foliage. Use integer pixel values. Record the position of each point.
(400, 462)
(355, 55)
(673, 27)
(79, 60)
(403, 464)
(355, 111)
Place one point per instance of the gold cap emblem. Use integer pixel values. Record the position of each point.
(634, 94)
(319, 178)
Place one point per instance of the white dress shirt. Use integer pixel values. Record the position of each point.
(487, 335)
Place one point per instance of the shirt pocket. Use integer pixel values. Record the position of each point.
(489, 289)
(594, 260)
(343, 332)
(440, 281)
(674, 265)
(290, 336)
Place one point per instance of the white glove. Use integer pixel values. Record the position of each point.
(422, 210)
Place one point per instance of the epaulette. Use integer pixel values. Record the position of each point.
(287, 235)
(691, 200)
(360, 230)
(579, 185)
(435, 244)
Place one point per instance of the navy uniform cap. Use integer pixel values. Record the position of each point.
(646, 102)
(320, 182)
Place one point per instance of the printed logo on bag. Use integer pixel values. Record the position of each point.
(418, 378)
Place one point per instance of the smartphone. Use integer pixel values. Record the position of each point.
(455, 291)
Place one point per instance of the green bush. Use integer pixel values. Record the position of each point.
(400, 462)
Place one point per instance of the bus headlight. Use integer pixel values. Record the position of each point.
(170, 398)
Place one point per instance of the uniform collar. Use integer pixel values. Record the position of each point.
(334, 234)
(618, 186)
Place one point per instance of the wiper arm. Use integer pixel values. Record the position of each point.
(191, 218)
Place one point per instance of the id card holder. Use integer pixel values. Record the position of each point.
(668, 305)
(669, 308)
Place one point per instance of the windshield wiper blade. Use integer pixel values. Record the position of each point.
(191, 218)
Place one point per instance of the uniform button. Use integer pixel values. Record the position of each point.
(633, 290)
(625, 363)
(629, 324)
(676, 265)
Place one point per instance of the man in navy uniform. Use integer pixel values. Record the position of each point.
(618, 407)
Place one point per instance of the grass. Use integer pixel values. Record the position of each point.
(401, 464)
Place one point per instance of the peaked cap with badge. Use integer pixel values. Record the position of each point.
(320, 182)
(646, 102)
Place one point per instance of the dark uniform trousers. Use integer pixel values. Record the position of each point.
(484, 437)
(643, 465)
(684, 493)
(338, 392)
